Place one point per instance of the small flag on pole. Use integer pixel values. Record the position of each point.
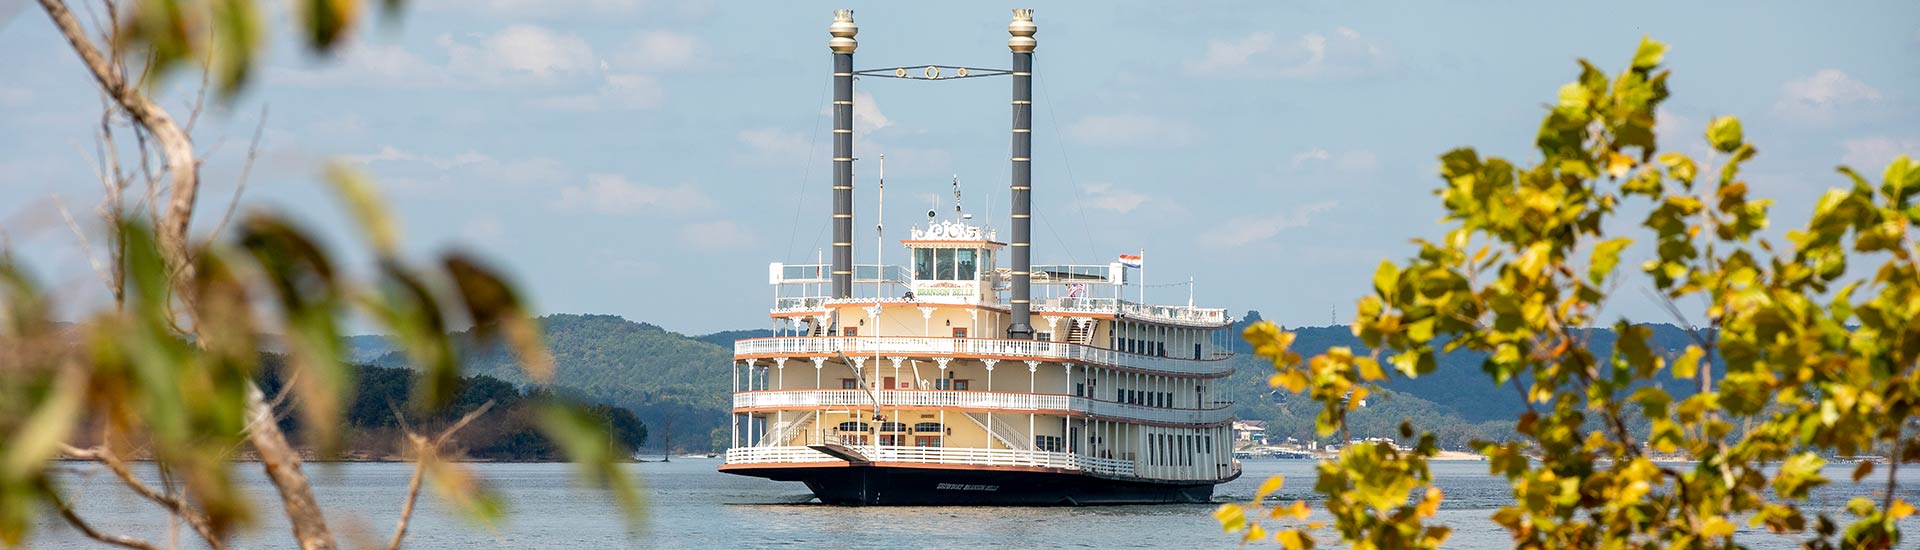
(1130, 260)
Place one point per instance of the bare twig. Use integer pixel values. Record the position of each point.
(424, 451)
(67, 513)
(277, 456)
(80, 236)
(253, 152)
(175, 506)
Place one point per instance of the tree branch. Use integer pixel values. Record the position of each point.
(67, 513)
(281, 462)
(119, 468)
(174, 143)
(424, 451)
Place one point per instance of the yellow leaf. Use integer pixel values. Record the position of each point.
(1268, 487)
(1291, 539)
(1687, 365)
(1618, 164)
(1255, 533)
(1231, 516)
(1370, 369)
(1899, 509)
(1716, 526)
(1299, 510)
(1430, 505)
(1290, 379)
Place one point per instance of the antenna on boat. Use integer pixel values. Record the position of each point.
(880, 237)
(956, 195)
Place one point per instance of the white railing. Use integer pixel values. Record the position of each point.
(938, 455)
(1204, 316)
(1025, 402)
(973, 347)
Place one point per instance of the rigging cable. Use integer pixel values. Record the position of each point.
(1079, 205)
(806, 173)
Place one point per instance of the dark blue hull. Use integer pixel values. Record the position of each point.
(870, 485)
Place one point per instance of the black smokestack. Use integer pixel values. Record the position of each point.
(842, 45)
(1022, 44)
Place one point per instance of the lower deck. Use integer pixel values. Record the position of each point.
(887, 484)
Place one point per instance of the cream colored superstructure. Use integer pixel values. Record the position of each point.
(919, 371)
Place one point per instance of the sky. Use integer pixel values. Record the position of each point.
(648, 159)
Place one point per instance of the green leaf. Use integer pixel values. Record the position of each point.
(496, 310)
(1724, 134)
(367, 208)
(1649, 55)
(28, 449)
(1687, 365)
(1606, 256)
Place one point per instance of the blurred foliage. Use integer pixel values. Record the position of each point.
(666, 378)
(1810, 361)
(133, 382)
(377, 417)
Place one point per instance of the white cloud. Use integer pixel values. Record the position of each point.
(360, 64)
(465, 166)
(1244, 231)
(618, 92)
(715, 235)
(610, 194)
(661, 51)
(520, 51)
(1103, 196)
(1870, 156)
(539, 9)
(1135, 130)
(1819, 97)
(866, 113)
(1314, 56)
(515, 55)
(1352, 162)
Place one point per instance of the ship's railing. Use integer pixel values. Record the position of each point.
(1005, 401)
(938, 455)
(1204, 316)
(973, 347)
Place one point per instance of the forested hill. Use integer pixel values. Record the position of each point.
(678, 385)
(1458, 398)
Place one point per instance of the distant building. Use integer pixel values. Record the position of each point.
(1250, 430)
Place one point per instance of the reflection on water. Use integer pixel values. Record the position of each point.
(692, 506)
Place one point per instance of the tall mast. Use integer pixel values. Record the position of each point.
(842, 45)
(1022, 44)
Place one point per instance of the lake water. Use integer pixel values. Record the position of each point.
(693, 506)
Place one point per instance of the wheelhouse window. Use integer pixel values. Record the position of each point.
(963, 263)
(943, 264)
(923, 263)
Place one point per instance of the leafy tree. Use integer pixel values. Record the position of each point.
(173, 366)
(1811, 360)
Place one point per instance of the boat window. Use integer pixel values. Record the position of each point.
(927, 427)
(943, 264)
(963, 260)
(856, 427)
(892, 427)
(923, 264)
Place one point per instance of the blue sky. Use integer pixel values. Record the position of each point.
(648, 159)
